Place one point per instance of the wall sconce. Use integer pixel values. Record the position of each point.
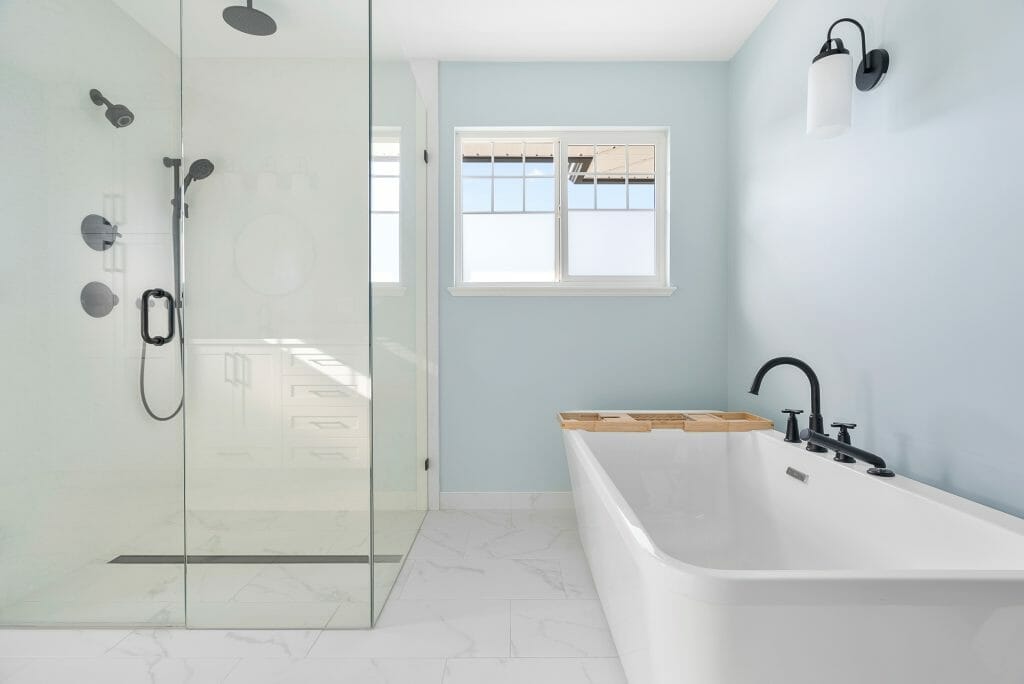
(830, 83)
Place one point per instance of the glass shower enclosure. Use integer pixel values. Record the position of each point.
(214, 330)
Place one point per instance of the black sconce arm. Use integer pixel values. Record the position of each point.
(863, 39)
(874, 64)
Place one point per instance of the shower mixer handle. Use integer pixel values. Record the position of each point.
(157, 340)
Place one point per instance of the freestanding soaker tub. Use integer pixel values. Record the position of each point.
(737, 558)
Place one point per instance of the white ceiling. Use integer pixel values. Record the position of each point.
(509, 30)
(572, 29)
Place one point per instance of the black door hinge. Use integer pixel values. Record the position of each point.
(426, 464)
(426, 157)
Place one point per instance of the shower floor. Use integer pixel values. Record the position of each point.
(488, 596)
(320, 580)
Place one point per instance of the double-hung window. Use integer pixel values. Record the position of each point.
(579, 211)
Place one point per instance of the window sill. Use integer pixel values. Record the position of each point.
(387, 290)
(561, 291)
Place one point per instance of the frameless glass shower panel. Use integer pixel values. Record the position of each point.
(90, 109)
(398, 251)
(276, 295)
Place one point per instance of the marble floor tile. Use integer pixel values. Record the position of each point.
(123, 671)
(231, 615)
(467, 521)
(576, 577)
(536, 542)
(212, 643)
(53, 643)
(560, 629)
(425, 629)
(313, 583)
(484, 579)
(338, 671)
(533, 671)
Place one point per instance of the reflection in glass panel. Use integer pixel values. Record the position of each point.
(606, 243)
(508, 194)
(385, 263)
(540, 194)
(476, 194)
(385, 194)
(508, 248)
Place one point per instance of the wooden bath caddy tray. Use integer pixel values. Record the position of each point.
(638, 421)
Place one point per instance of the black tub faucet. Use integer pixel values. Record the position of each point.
(814, 420)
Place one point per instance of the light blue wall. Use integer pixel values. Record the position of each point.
(508, 364)
(890, 259)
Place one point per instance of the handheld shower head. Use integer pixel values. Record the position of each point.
(198, 170)
(117, 114)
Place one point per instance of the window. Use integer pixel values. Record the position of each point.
(385, 209)
(561, 212)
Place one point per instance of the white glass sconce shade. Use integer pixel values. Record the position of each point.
(830, 95)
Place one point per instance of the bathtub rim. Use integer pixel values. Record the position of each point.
(716, 578)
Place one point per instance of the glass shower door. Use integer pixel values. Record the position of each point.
(91, 482)
(277, 315)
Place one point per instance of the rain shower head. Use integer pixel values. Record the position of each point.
(249, 20)
(198, 170)
(117, 114)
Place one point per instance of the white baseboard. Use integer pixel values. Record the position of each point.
(506, 500)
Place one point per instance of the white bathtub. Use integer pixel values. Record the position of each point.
(714, 566)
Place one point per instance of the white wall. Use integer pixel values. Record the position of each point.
(85, 470)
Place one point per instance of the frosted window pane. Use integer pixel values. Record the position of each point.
(476, 194)
(384, 167)
(540, 194)
(508, 194)
(611, 195)
(641, 196)
(612, 243)
(384, 251)
(384, 194)
(514, 248)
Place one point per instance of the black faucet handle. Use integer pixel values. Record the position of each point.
(844, 437)
(792, 429)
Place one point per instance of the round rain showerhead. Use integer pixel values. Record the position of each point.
(249, 20)
(117, 114)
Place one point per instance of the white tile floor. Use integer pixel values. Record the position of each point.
(502, 597)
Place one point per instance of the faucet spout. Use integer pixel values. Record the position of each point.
(815, 422)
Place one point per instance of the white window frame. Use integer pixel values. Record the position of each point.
(389, 134)
(656, 285)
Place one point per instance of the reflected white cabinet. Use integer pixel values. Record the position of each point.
(234, 405)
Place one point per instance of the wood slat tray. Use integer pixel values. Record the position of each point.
(630, 421)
